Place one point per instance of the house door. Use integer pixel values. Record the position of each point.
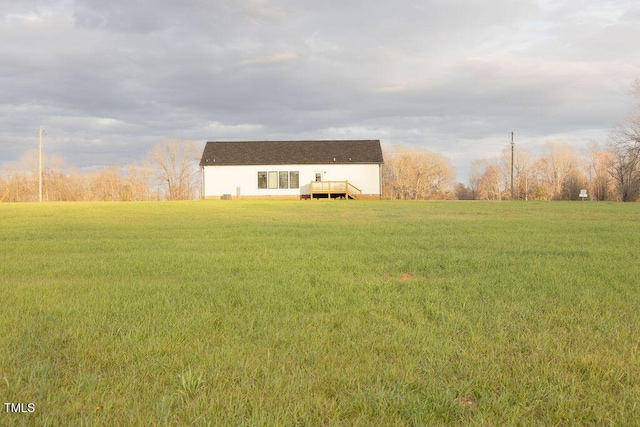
(319, 176)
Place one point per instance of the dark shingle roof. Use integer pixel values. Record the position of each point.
(290, 152)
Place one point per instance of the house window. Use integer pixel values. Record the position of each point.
(262, 180)
(283, 180)
(273, 179)
(294, 179)
(318, 176)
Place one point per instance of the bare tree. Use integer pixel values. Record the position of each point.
(4, 189)
(463, 192)
(540, 186)
(597, 178)
(561, 164)
(572, 184)
(176, 167)
(139, 182)
(106, 184)
(490, 185)
(416, 174)
(21, 178)
(624, 158)
(475, 177)
(522, 171)
(623, 150)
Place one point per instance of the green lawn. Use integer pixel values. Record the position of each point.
(320, 313)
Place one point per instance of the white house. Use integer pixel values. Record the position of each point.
(292, 169)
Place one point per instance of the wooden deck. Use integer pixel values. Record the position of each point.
(333, 190)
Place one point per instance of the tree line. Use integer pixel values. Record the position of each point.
(610, 171)
(168, 172)
(559, 173)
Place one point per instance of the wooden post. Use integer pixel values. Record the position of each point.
(40, 165)
(511, 193)
(329, 190)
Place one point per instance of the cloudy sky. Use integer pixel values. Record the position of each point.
(110, 79)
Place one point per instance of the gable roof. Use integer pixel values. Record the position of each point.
(290, 152)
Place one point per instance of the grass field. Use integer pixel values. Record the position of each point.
(320, 313)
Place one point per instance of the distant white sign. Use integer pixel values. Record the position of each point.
(583, 193)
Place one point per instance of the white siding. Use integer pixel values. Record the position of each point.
(219, 180)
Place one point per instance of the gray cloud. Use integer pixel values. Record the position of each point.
(110, 79)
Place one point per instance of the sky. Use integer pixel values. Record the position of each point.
(108, 80)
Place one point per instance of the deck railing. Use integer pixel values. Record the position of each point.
(342, 188)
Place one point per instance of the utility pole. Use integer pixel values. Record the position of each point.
(40, 163)
(512, 166)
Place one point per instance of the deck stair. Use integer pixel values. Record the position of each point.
(333, 190)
